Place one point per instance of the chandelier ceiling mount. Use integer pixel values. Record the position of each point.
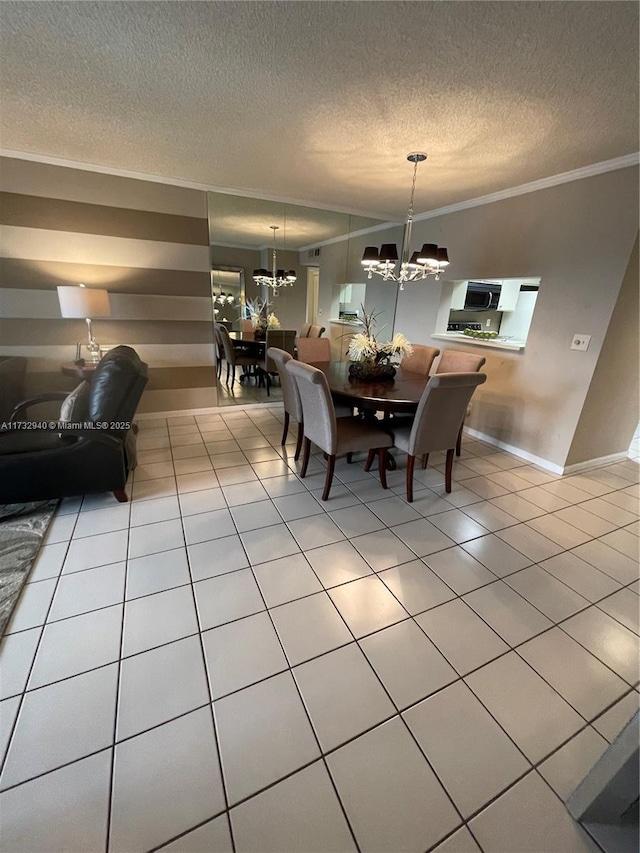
(430, 260)
(276, 278)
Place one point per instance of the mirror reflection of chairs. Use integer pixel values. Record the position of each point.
(236, 358)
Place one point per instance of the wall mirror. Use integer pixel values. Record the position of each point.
(322, 247)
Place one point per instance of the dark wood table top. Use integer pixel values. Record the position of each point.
(401, 394)
(79, 371)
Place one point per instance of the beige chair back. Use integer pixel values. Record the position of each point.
(313, 350)
(318, 412)
(454, 361)
(420, 360)
(315, 331)
(246, 327)
(229, 351)
(304, 330)
(441, 411)
(290, 396)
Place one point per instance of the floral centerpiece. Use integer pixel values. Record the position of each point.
(372, 360)
(261, 318)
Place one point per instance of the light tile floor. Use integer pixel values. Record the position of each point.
(227, 663)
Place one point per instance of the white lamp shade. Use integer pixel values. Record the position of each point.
(83, 302)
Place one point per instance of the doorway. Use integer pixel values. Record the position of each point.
(313, 286)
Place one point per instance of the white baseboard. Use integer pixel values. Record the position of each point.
(545, 463)
(516, 451)
(596, 463)
(212, 410)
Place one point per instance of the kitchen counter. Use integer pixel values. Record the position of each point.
(458, 337)
(354, 323)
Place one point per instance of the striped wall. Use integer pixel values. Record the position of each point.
(146, 243)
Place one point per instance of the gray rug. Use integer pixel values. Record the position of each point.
(22, 528)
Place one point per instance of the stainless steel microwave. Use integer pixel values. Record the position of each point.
(482, 296)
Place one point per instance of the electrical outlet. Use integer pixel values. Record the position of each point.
(488, 323)
(581, 342)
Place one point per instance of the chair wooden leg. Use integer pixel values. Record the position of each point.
(299, 441)
(370, 457)
(306, 450)
(425, 460)
(329, 477)
(349, 458)
(233, 376)
(459, 441)
(228, 369)
(120, 495)
(448, 469)
(411, 461)
(382, 466)
(286, 428)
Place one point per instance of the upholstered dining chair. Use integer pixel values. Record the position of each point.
(304, 330)
(315, 331)
(290, 396)
(420, 360)
(454, 361)
(312, 350)
(436, 425)
(217, 339)
(248, 332)
(335, 436)
(235, 358)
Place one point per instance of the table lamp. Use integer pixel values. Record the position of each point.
(86, 303)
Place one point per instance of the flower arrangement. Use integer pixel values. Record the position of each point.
(372, 359)
(259, 319)
(365, 347)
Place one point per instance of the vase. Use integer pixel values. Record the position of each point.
(364, 371)
(259, 334)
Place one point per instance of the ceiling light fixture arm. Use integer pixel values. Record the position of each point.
(275, 279)
(430, 260)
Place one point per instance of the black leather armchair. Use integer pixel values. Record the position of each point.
(40, 464)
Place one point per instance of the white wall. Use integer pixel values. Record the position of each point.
(578, 238)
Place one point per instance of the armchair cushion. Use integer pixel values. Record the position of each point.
(74, 407)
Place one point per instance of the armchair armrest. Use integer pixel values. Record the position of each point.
(32, 401)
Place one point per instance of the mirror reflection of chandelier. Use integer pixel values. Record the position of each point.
(430, 260)
(225, 298)
(277, 278)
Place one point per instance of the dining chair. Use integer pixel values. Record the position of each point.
(312, 350)
(335, 436)
(454, 361)
(235, 358)
(248, 332)
(219, 349)
(436, 425)
(304, 330)
(315, 331)
(420, 360)
(290, 396)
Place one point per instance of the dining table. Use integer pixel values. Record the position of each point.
(399, 395)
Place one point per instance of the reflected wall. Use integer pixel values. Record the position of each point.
(331, 242)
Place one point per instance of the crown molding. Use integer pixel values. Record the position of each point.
(624, 162)
(179, 182)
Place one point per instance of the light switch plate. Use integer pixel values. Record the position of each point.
(580, 341)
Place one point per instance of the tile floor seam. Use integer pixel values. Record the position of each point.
(216, 734)
(116, 709)
(23, 692)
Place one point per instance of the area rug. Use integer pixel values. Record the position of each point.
(22, 529)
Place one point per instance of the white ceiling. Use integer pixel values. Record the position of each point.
(321, 101)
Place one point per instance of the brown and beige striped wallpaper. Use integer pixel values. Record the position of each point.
(146, 243)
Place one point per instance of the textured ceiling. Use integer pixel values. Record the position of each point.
(247, 222)
(321, 101)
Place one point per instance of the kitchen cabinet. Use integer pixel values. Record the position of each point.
(509, 293)
(459, 295)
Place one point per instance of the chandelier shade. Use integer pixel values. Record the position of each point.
(430, 260)
(277, 278)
